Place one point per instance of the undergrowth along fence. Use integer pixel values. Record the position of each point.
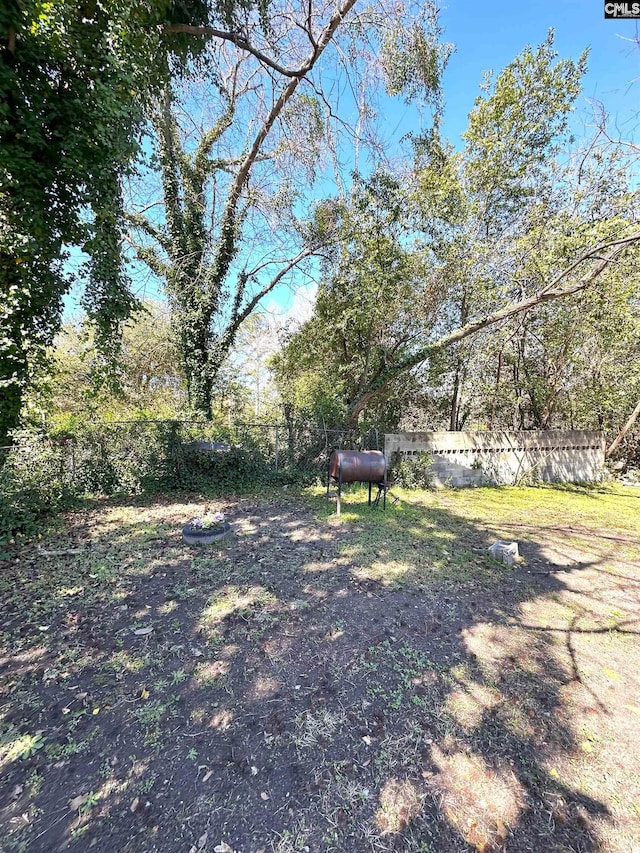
(44, 472)
(48, 472)
(167, 451)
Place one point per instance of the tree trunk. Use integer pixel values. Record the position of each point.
(625, 429)
(199, 381)
(495, 391)
(287, 410)
(10, 404)
(455, 401)
(201, 395)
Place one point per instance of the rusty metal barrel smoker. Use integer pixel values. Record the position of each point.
(358, 466)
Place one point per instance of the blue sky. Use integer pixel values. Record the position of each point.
(488, 34)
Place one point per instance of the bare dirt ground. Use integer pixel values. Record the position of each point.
(369, 683)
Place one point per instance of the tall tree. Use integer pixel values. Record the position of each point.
(74, 80)
(373, 302)
(507, 225)
(234, 198)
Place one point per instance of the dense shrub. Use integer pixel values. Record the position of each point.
(163, 456)
(47, 473)
(125, 457)
(35, 477)
(412, 472)
(237, 468)
(50, 472)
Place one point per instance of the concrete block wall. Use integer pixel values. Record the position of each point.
(498, 457)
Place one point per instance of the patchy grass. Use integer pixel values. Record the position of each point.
(373, 682)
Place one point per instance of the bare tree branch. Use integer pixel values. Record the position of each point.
(625, 429)
(601, 117)
(243, 43)
(239, 316)
(228, 223)
(305, 253)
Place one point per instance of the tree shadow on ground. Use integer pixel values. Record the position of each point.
(370, 683)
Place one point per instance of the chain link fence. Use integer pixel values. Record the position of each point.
(42, 471)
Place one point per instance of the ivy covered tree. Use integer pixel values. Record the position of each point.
(230, 215)
(74, 82)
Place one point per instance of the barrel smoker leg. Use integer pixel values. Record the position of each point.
(369, 492)
(339, 490)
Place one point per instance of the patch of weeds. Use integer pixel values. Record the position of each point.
(149, 716)
(14, 745)
(74, 718)
(80, 831)
(63, 751)
(106, 769)
(213, 639)
(198, 716)
(210, 674)
(147, 784)
(178, 676)
(293, 840)
(34, 783)
(396, 674)
(102, 572)
(208, 570)
(242, 603)
(28, 745)
(181, 591)
(91, 800)
(127, 661)
(406, 547)
(265, 620)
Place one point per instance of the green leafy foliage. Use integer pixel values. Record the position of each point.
(74, 78)
(146, 374)
(44, 474)
(371, 305)
(414, 59)
(455, 265)
(517, 127)
(34, 478)
(412, 472)
(236, 469)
